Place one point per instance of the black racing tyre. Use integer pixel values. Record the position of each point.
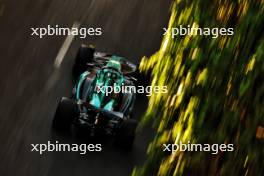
(126, 133)
(143, 79)
(84, 55)
(65, 113)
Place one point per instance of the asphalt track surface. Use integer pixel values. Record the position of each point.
(30, 85)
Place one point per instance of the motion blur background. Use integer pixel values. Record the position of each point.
(215, 91)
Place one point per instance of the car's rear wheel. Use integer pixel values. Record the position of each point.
(126, 134)
(65, 113)
(85, 55)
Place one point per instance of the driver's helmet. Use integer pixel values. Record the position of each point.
(111, 73)
(114, 63)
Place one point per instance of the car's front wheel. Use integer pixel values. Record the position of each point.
(65, 113)
(85, 55)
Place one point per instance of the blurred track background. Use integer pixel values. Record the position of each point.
(30, 85)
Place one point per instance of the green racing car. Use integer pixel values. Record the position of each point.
(98, 103)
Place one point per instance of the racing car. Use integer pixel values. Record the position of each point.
(91, 107)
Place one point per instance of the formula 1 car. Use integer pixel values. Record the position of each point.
(91, 106)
